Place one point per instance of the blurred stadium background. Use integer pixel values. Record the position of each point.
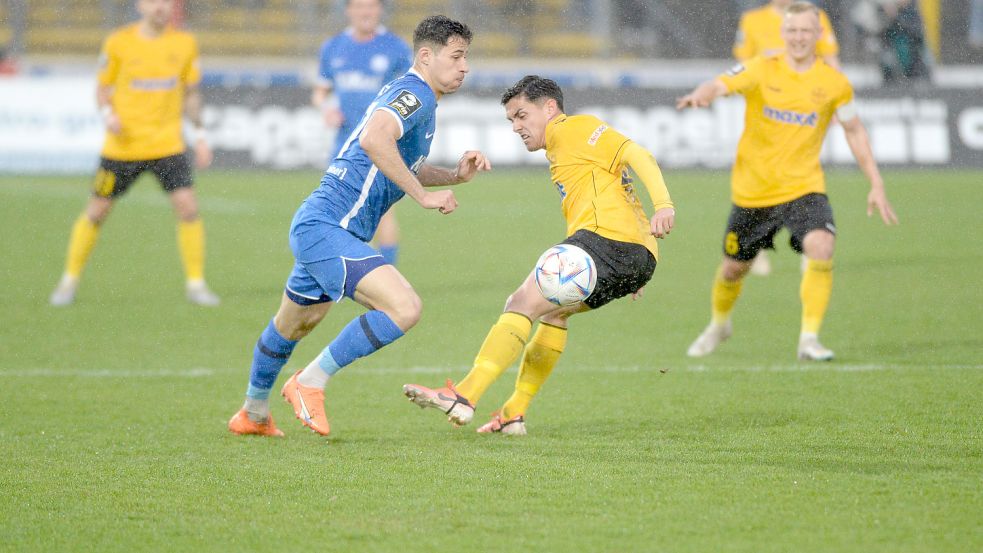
(624, 59)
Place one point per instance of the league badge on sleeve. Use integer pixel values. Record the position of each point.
(405, 104)
(736, 70)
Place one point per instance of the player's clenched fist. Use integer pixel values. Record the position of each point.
(662, 222)
(442, 200)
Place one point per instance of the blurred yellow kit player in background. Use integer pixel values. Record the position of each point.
(148, 74)
(777, 180)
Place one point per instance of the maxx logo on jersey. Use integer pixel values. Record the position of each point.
(792, 117)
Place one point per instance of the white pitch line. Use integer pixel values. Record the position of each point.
(107, 373)
(207, 204)
(457, 371)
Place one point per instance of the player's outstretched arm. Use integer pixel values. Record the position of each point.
(323, 100)
(192, 108)
(645, 166)
(104, 95)
(703, 95)
(470, 163)
(378, 139)
(856, 137)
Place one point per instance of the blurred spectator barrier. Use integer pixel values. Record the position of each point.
(50, 125)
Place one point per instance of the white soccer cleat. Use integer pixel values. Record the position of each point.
(710, 339)
(811, 350)
(761, 265)
(516, 426)
(199, 294)
(458, 409)
(64, 293)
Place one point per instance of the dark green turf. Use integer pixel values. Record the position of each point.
(113, 411)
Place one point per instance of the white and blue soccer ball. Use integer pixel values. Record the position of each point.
(566, 274)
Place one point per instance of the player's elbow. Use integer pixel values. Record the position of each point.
(372, 142)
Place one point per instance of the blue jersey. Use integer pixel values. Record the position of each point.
(354, 194)
(356, 71)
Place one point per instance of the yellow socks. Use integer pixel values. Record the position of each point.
(80, 244)
(723, 297)
(537, 363)
(502, 347)
(817, 284)
(191, 244)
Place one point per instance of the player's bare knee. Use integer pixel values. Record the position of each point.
(520, 301)
(733, 270)
(819, 244)
(406, 311)
(98, 209)
(557, 318)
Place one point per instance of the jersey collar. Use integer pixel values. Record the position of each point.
(380, 30)
(551, 128)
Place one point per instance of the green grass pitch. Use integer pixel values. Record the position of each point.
(113, 411)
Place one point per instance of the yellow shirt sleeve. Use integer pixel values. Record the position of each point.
(644, 165)
(827, 45)
(742, 77)
(191, 75)
(846, 96)
(744, 41)
(108, 62)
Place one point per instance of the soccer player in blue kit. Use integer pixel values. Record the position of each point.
(354, 65)
(382, 160)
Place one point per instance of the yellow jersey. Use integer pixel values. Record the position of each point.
(760, 34)
(785, 122)
(596, 192)
(149, 77)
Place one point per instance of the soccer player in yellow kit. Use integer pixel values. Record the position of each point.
(777, 180)
(588, 162)
(148, 73)
(760, 34)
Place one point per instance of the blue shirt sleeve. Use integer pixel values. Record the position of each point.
(412, 102)
(325, 72)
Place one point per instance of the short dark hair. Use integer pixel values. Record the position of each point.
(534, 87)
(437, 30)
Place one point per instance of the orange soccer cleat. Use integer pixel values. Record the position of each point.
(308, 404)
(241, 424)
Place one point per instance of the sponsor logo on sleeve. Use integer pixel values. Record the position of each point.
(596, 135)
(405, 104)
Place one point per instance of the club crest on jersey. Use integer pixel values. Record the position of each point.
(736, 70)
(405, 104)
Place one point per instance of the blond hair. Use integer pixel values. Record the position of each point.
(801, 6)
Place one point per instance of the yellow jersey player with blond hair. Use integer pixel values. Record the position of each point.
(760, 34)
(588, 165)
(148, 74)
(777, 180)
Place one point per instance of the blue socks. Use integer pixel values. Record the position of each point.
(270, 355)
(390, 253)
(364, 335)
(361, 337)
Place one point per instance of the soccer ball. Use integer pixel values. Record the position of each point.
(566, 274)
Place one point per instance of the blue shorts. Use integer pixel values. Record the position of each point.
(329, 262)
